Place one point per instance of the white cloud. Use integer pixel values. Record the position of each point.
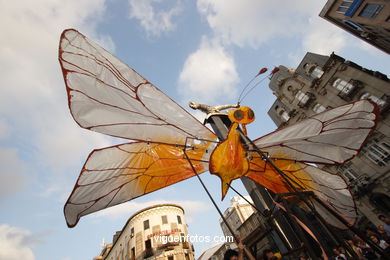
(33, 100)
(208, 74)
(370, 49)
(152, 20)
(4, 130)
(253, 22)
(322, 37)
(125, 210)
(12, 173)
(16, 243)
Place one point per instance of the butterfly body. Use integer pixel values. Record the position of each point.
(228, 160)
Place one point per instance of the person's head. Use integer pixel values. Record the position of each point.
(268, 254)
(341, 250)
(374, 239)
(356, 242)
(381, 228)
(384, 219)
(230, 255)
(357, 238)
(302, 256)
(336, 251)
(193, 105)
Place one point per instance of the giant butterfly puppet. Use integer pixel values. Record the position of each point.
(168, 144)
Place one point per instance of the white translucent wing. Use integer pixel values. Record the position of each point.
(331, 137)
(332, 190)
(107, 96)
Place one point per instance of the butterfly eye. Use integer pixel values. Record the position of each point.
(251, 114)
(238, 114)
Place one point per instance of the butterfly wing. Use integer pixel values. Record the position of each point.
(120, 173)
(107, 96)
(331, 137)
(329, 187)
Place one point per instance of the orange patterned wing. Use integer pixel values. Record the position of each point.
(329, 187)
(120, 173)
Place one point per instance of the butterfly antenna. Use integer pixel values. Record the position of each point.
(263, 70)
(274, 70)
(252, 88)
(242, 92)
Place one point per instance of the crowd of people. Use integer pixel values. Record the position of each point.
(380, 236)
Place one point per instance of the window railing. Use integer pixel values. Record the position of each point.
(347, 89)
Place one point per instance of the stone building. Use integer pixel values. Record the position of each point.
(158, 232)
(323, 82)
(251, 234)
(368, 20)
(236, 214)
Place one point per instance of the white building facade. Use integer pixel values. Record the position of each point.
(158, 232)
(236, 214)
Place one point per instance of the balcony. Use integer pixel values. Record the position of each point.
(347, 90)
(304, 99)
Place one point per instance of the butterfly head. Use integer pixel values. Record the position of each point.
(242, 115)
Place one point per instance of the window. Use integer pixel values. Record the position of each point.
(353, 25)
(317, 73)
(148, 249)
(284, 115)
(378, 101)
(164, 219)
(132, 232)
(377, 150)
(178, 219)
(348, 172)
(344, 6)
(170, 257)
(343, 86)
(302, 98)
(318, 108)
(146, 224)
(148, 244)
(371, 10)
(132, 254)
(313, 70)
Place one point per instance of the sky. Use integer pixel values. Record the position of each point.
(200, 50)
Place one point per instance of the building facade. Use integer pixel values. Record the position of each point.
(323, 82)
(158, 232)
(250, 232)
(236, 214)
(368, 20)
